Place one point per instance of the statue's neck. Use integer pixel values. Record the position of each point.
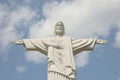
(60, 35)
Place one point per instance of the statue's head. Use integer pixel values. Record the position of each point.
(59, 29)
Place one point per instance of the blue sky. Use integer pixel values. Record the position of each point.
(20, 19)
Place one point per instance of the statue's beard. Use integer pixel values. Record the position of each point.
(59, 32)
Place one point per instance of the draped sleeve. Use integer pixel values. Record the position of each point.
(79, 45)
(40, 45)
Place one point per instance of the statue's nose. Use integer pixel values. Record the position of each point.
(59, 27)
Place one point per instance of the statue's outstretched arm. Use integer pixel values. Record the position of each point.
(17, 42)
(99, 41)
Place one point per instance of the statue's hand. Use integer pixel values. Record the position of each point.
(17, 42)
(99, 41)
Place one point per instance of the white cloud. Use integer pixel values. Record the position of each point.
(81, 18)
(117, 39)
(21, 69)
(82, 59)
(11, 20)
(35, 57)
(117, 43)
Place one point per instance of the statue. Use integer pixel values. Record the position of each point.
(60, 50)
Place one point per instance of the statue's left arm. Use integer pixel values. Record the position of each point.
(79, 45)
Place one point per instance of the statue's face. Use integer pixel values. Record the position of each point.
(59, 28)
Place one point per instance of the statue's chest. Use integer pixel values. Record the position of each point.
(58, 41)
(60, 45)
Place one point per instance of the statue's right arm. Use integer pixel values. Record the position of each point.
(17, 42)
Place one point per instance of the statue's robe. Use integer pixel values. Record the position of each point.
(60, 52)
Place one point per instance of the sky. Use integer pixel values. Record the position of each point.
(25, 19)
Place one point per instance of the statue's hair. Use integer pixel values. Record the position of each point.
(63, 27)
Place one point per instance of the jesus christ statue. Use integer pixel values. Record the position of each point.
(60, 51)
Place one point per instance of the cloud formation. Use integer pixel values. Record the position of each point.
(21, 69)
(117, 39)
(82, 59)
(13, 22)
(35, 57)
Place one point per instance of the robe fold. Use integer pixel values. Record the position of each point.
(60, 52)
